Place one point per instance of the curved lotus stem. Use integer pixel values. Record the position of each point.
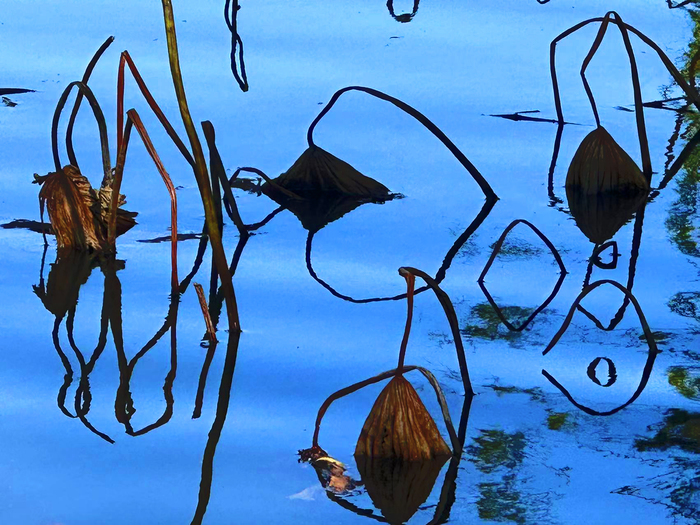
(200, 170)
(133, 117)
(231, 17)
(646, 374)
(588, 289)
(99, 117)
(79, 98)
(449, 310)
(463, 160)
(456, 446)
(410, 285)
(691, 93)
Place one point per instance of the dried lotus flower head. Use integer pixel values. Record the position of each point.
(77, 212)
(72, 205)
(316, 172)
(601, 165)
(400, 427)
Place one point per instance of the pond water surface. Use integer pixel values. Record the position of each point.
(112, 416)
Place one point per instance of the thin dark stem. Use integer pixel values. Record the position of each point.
(99, 117)
(79, 98)
(410, 285)
(478, 177)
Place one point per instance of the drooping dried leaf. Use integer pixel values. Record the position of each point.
(316, 172)
(398, 487)
(601, 165)
(600, 216)
(72, 205)
(125, 219)
(399, 426)
(79, 214)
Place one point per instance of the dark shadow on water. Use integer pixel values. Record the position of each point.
(492, 258)
(653, 351)
(439, 276)
(402, 17)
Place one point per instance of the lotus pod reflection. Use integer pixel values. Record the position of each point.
(601, 165)
(398, 488)
(600, 216)
(317, 172)
(399, 426)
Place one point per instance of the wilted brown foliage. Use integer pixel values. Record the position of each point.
(77, 212)
(399, 426)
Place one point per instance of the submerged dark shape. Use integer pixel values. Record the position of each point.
(317, 172)
(403, 17)
(680, 428)
(26, 224)
(653, 350)
(600, 216)
(15, 91)
(492, 258)
(519, 116)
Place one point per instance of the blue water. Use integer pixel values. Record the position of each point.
(457, 63)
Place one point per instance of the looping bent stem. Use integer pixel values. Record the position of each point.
(449, 310)
(231, 17)
(125, 59)
(588, 289)
(456, 446)
(133, 117)
(79, 98)
(200, 171)
(463, 160)
(99, 117)
(271, 182)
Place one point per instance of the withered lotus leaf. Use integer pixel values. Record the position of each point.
(399, 426)
(397, 487)
(601, 165)
(77, 212)
(317, 172)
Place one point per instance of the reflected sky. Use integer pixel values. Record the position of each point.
(531, 456)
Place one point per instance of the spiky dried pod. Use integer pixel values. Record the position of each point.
(601, 165)
(399, 426)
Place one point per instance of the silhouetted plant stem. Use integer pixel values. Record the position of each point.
(410, 285)
(449, 310)
(78, 99)
(218, 175)
(200, 170)
(133, 116)
(99, 117)
(217, 427)
(478, 177)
